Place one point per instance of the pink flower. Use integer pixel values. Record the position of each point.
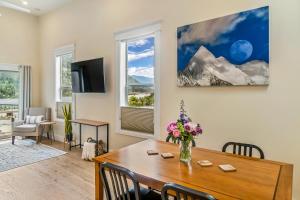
(171, 127)
(176, 133)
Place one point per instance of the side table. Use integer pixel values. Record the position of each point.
(50, 131)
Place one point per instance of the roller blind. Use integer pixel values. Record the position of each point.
(137, 119)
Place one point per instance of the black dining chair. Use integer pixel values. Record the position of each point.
(182, 192)
(124, 184)
(168, 138)
(243, 149)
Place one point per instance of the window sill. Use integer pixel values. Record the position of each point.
(64, 101)
(139, 107)
(136, 134)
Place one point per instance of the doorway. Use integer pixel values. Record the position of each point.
(9, 98)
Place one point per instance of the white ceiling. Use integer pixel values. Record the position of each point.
(35, 7)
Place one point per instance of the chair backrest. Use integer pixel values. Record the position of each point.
(185, 193)
(36, 111)
(168, 138)
(243, 149)
(119, 178)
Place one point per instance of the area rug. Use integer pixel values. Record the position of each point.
(24, 152)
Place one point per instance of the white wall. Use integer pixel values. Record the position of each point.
(19, 44)
(266, 116)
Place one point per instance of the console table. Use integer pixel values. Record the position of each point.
(96, 124)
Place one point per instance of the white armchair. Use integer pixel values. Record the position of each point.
(25, 129)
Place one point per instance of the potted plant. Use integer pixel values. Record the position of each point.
(183, 131)
(68, 125)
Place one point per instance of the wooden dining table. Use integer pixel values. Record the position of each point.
(253, 179)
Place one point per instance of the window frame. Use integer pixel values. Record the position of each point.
(68, 49)
(127, 35)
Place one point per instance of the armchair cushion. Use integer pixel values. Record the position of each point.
(33, 119)
(25, 128)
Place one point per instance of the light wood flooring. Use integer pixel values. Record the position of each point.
(62, 178)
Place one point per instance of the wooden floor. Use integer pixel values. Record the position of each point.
(64, 177)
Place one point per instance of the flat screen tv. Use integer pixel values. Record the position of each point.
(88, 76)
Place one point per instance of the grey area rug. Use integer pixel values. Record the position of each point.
(24, 152)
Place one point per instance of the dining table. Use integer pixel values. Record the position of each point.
(253, 178)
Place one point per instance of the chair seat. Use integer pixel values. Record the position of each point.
(146, 194)
(25, 128)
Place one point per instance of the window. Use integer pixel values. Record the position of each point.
(140, 72)
(63, 58)
(138, 91)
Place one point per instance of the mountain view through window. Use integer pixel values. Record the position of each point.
(140, 72)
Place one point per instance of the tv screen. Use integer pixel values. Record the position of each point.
(88, 76)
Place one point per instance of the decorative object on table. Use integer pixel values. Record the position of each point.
(68, 125)
(24, 152)
(167, 155)
(227, 168)
(225, 51)
(205, 163)
(152, 152)
(183, 131)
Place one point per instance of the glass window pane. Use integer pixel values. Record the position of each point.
(140, 72)
(9, 98)
(66, 61)
(66, 92)
(9, 85)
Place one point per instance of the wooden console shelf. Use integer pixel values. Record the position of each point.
(96, 124)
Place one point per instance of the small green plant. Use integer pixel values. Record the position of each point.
(141, 101)
(68, 125)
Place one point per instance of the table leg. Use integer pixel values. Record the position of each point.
(97, 142)
(99, 184)
(50, 133)
(79, 135)
(107, 138)
(42, 133)
(53, 133)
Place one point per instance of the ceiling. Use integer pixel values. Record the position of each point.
(35, 7)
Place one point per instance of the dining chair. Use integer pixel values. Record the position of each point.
(243, 149)
(168, 138)
(182, 192)
(121, 179)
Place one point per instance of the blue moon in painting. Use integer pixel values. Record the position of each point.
(241, 50)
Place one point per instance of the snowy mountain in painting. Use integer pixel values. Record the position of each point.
(204, 69)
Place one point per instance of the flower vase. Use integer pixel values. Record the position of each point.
(185, 151)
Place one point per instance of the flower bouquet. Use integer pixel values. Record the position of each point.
(183, 131)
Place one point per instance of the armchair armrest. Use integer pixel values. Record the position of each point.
(16, 123)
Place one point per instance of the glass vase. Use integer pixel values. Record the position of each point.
(185, 151)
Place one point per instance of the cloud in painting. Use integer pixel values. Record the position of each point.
(141, 71)
(209, 32)
(140, 55)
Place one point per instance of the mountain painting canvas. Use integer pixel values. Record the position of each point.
(226, 51)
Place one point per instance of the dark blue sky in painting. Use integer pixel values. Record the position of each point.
(251, 27)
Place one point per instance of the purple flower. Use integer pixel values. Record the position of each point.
(188, 127)
(198, 129)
